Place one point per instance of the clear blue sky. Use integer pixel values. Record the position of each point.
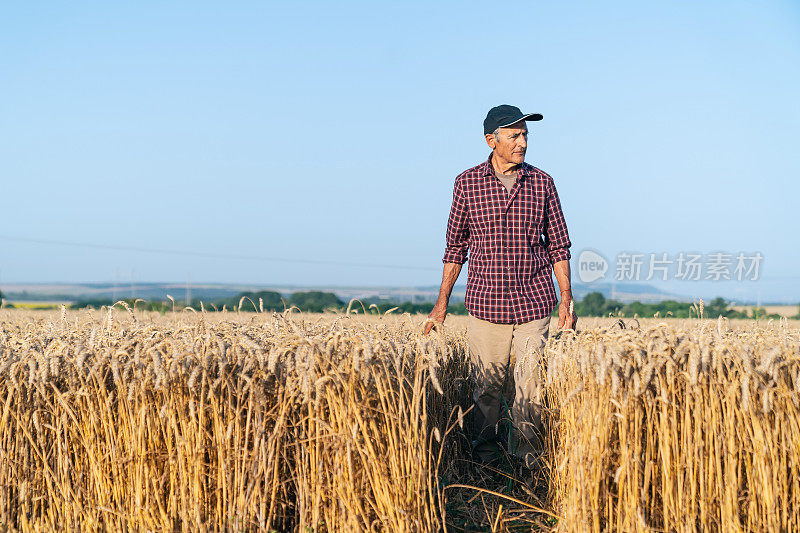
(333, 132)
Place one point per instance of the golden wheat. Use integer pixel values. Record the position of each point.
(197, 422)
(677, 429)
(124, 419)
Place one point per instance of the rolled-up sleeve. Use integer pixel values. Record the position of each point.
(556, 235)
(457, 238)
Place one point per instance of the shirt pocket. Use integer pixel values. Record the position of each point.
(533, 216)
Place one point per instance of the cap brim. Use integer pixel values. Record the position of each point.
(529, 117)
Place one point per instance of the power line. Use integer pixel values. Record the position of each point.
(215, 255)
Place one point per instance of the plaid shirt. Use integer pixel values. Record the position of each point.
(514, 239)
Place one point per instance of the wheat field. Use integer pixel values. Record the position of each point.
(129, 420)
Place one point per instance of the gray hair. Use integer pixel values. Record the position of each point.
(497, 131)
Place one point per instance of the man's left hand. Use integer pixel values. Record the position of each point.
(566, 319)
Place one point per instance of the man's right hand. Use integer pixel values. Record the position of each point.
(436, 316)
(439, 311)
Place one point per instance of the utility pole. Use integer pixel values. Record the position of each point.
(188, 290)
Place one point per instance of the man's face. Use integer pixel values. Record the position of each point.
(511, 143)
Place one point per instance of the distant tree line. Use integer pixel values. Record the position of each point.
(593, 304)
(310, 301)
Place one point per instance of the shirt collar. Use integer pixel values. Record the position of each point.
(488, 170)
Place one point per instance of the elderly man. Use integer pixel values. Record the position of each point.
(507, 214)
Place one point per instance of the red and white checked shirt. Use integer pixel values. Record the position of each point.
(513, 241)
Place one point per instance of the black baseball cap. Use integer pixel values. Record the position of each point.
(505, 115)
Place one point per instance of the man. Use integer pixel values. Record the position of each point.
(507, 214)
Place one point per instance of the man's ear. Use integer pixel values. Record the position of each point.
(490, 140)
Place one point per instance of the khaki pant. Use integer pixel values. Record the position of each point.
(494, 350)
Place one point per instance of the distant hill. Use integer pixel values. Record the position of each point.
(109, 291)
